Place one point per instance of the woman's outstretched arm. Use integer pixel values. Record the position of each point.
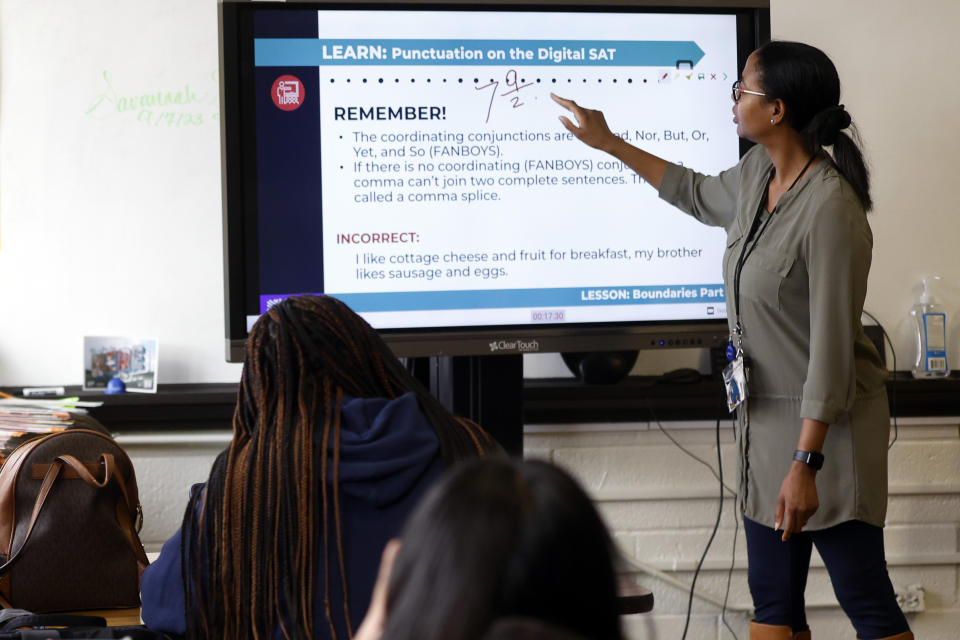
(593, 130)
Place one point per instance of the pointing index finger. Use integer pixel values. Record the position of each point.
(569, 105)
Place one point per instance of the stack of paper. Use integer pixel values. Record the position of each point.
(24, 419)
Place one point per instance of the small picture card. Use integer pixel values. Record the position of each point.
(132, 360)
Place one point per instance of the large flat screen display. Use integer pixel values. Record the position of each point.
(409, 160)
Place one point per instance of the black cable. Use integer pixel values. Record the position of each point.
(733, 561)
(736, 521)
(716, 525)
(690, 453)
(893, 379)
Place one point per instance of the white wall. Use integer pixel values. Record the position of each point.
(893, 58)
(109, 204)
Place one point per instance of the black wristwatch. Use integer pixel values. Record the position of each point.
(812, 459)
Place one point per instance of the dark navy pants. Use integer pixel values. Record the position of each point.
(854, 556)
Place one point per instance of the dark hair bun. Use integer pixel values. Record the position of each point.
(827, 125)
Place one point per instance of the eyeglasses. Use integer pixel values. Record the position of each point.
(737, 92)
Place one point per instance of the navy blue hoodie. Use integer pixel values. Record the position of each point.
(389, 456)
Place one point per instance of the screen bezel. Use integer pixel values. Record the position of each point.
(239, 193)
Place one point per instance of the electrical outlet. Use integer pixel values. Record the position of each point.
(910, 599)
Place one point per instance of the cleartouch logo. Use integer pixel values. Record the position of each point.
(523, 346)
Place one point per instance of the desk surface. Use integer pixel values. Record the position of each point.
(115, 617)
(633, 598)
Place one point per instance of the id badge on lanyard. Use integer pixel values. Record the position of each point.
(735, 381)
(735, 375)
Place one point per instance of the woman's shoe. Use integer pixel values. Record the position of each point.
(770, 632)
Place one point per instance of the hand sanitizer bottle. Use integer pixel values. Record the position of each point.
(930, 325)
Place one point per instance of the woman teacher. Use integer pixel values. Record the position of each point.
(812, 432)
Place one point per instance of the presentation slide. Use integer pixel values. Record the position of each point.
(436, 186)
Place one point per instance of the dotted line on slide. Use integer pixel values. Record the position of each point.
(475, 80)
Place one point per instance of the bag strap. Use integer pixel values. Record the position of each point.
(112, 472)
(106, 461)
(48, 481)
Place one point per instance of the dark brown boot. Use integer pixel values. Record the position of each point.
(802, 635)
(770, 632)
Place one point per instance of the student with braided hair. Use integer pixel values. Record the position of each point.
(333, 444)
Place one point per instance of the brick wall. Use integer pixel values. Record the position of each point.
(661, 506)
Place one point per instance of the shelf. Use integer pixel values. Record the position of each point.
(210, 407)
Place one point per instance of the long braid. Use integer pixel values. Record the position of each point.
(325, 517)
(336, 517)
(305, 509)
(253, 538)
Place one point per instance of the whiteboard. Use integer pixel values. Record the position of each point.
(110, 216)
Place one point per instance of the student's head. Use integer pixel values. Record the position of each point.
(805, 80)
(501, 538)
(305, 353)
(306, 348)
(251, 548)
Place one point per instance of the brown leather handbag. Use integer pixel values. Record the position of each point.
(69, 517)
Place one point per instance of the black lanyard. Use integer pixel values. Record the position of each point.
(754, 234)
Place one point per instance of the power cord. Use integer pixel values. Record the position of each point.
(726, 593)
(719, 476)
(689, 453)
(893, 379)
(716, 526)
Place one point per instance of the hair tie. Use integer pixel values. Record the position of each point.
(844, 116)
(828, 124)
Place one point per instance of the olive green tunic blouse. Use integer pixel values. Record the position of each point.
(801, 296)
